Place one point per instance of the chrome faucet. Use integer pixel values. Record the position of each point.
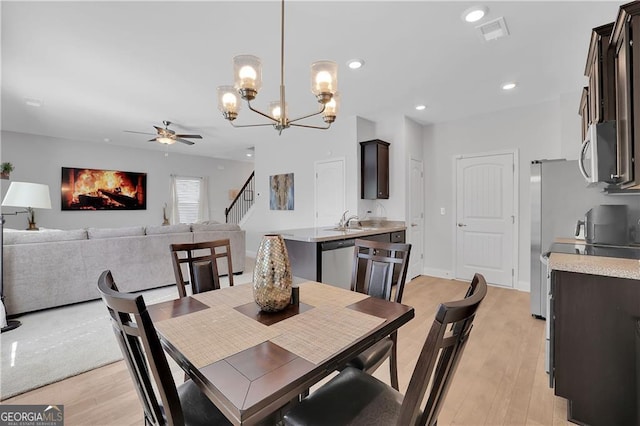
(344, 220)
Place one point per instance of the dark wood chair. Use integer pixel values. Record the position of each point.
(378, 268)
(356, 398)
(202, 263)
(146, 361)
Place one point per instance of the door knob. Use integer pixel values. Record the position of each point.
(460, 225)
(414, 224)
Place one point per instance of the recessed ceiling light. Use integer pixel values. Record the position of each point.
(354, 64)
(248, 154)
(33, 102)
(421, 107)
(474, 14)
(508, 86)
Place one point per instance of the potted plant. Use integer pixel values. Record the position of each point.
(5, 170)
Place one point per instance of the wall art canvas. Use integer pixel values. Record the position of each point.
(94, 189)
(281, 192)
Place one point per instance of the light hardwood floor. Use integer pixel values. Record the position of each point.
(500, 380)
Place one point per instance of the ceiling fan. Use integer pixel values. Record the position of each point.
(167, 136)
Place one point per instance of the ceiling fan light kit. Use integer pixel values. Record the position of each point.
(166, 136)
(248, 82)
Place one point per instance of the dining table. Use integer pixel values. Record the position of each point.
(251, 363)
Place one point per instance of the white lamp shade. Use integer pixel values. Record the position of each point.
(26, 194)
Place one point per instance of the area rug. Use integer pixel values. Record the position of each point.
(58, 343)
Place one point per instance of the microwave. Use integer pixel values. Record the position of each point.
(597, 160)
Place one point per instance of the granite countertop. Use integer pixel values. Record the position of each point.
(596, 265)
(574, 255)
(329, 233)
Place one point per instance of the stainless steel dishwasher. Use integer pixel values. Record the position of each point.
(337, 262)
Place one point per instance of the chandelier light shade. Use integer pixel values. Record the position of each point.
(324, 80)
(247, 71)
(331, 109)
(228, 102)
(275, 108)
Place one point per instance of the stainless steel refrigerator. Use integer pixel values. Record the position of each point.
(559, 198)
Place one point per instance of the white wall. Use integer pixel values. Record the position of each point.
(39, 159)
(295, 151)
(536, 131)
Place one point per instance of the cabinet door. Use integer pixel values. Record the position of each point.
(584, 113)
(623, 108)
(594, 92)
(383, 171)
(374, 170)
(594, 338)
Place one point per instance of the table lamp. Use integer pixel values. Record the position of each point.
(30, 196)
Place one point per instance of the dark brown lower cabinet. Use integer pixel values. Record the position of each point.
(595, 338)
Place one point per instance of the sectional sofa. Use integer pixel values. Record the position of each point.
(49, 268)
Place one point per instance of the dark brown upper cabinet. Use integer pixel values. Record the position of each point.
(627, 86)
(374, 169)
(600, 71)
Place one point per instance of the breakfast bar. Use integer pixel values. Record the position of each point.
(325, 254)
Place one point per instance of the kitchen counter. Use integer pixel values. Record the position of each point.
(329, 233)
(574, 255)
(326, 254)
(596, 265)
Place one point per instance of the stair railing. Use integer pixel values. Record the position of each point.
(243, 201)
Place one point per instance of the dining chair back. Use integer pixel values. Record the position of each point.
(356, 398)
(378, 268)
(146, 361)
(201, 260)
(441, 355)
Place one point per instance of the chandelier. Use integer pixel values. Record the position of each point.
(248, 81)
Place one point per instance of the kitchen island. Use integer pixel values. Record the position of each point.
(325, 254)
(595, 334)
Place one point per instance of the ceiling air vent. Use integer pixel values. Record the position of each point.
(494, 30)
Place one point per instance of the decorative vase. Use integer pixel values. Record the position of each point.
(272, 274)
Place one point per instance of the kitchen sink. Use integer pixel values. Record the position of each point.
(352, 228)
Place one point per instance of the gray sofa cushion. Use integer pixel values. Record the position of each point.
(198, 227)
(43, 236)
(168, 229)
(132, 231)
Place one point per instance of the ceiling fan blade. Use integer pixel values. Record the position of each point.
(189, 136)
(184, 141)
(142, 133)
(152, 140)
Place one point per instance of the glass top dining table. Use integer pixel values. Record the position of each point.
(251, 363)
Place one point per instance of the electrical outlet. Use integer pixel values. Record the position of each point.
(442, 211)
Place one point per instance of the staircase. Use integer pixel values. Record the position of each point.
(242, 203)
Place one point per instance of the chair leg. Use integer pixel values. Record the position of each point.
(393, 362)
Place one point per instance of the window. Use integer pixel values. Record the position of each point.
(188, 197)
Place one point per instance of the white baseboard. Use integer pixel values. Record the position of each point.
(251, 254)
(438, 273)
(523, 286)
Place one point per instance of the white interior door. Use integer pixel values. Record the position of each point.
(329, 192)
(415, 231)
(485, 218)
